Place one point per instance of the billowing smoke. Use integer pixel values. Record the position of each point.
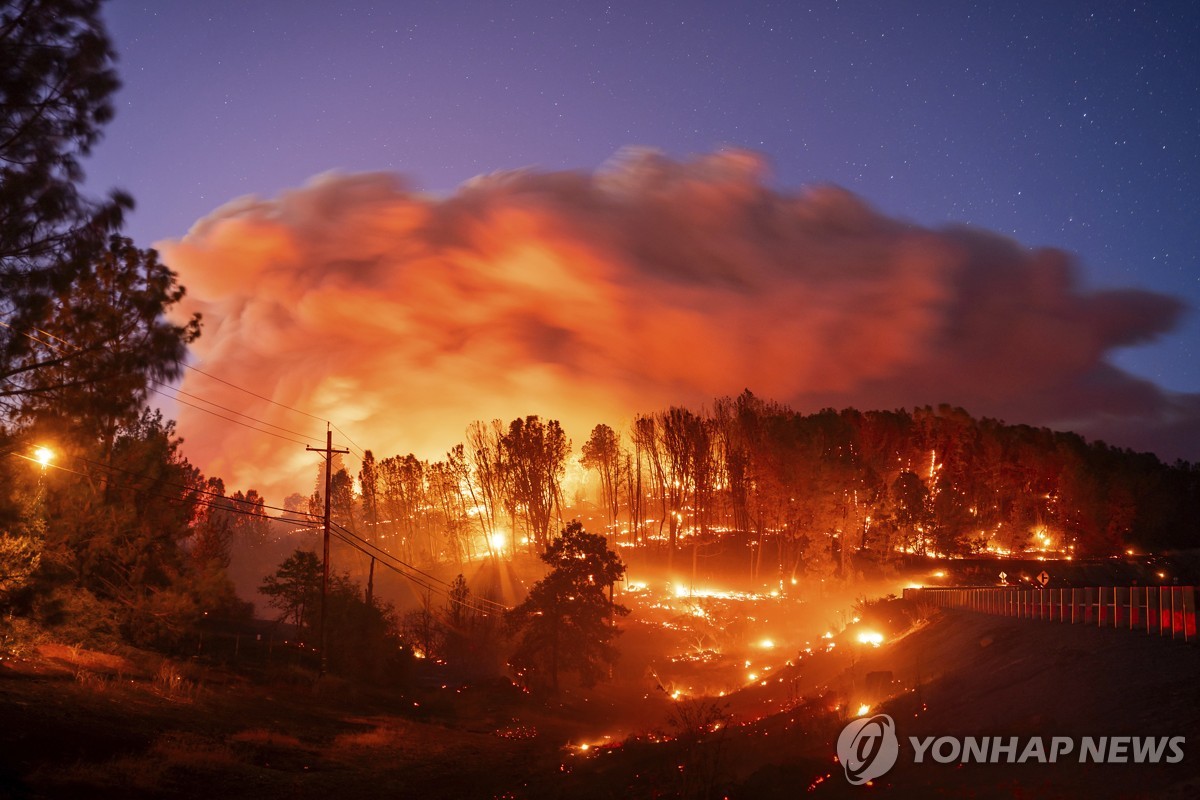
(589, 297)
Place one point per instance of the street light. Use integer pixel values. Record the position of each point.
(43, 456)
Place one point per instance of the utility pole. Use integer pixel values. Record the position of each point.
(328, 451)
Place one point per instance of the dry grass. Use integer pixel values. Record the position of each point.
(126, 773)
(172, 683)
(269, 738)
(925, 611)
(381, 736)
(77, 655)
(144, 772)
(193, 751)
(92, 681)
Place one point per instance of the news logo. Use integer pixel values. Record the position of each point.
(867, 748)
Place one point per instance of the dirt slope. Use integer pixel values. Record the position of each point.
(966, 674)
(79, 724)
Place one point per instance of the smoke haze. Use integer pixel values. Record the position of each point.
(588, 297)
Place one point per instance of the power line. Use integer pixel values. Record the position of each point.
(360, 452)
(480, 605)
(335, 527)
(254, 394)
(343, 532)
(29, 335)
(170, 388)
(49, 465)
(358, 543)
(214, 501)
(68, 349)
(221, 416)
(231, 501)
(112, 468)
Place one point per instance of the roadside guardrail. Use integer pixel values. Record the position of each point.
(1168, 611)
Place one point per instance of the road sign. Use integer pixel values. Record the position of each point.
(1043, 578)
(1003, 578)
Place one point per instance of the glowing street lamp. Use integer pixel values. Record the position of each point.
(43, 456)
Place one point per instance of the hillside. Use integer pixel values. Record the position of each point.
(137, 726)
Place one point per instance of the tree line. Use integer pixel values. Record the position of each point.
(801, 492)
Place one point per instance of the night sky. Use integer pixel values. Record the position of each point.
(1064, 125)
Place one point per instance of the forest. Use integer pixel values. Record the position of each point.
(801, 492)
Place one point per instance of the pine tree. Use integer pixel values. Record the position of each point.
(567, 621)
(56, 84)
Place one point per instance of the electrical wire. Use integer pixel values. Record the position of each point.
(234, 421)
(68, 349)
(181, 486)
(360, 452)
(253, 394)
(421, 578)
(491, 606)
(344, 532)
(167, 387)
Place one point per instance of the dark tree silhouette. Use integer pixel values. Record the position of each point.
(295, 588)
(56, 84)
(121, 528)
(103, 343)
(567, 623)
(602, 452)
(535, 455)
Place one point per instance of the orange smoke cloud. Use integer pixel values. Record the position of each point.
(589, 297)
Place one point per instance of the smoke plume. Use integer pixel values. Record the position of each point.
(588, 297)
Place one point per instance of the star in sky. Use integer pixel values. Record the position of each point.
(1072, 125)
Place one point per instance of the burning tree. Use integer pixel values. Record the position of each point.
(602, 452)
(536, 454)
(566, 622)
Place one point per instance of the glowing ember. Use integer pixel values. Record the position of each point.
(871, 637)
(863, 710)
